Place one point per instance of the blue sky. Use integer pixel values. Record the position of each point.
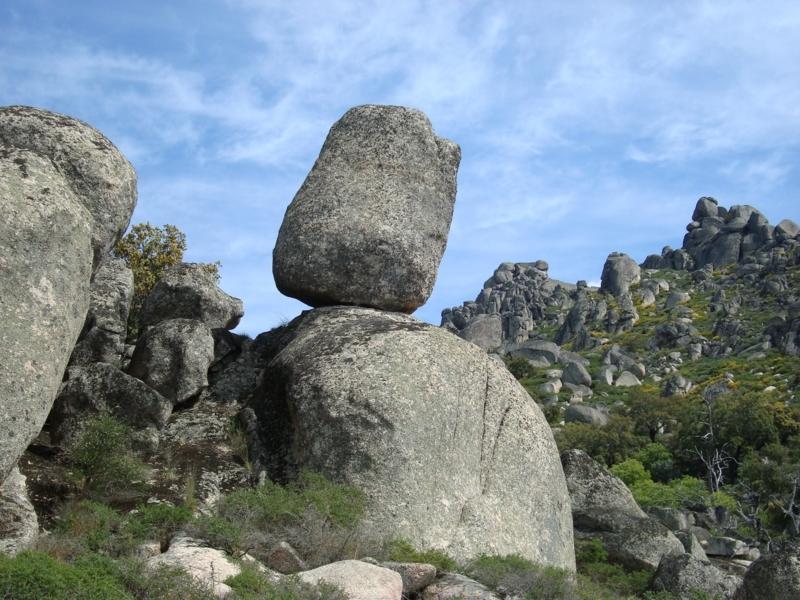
(585, 127)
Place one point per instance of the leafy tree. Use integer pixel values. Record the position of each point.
(148, 251)
(653, 414)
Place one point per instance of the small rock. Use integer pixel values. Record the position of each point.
(19, 526)
(416, 576)
(451, 586)
(285, 559)
(359, 580)
(627, 379)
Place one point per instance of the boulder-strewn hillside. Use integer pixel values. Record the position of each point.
(681, 375)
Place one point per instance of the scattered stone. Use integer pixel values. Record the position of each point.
(190, 291)
(416, 576)
(359, 580)
(674, 519)
(605, 374)
(173, 357)
(369, 224)
(676, 298)
(581, 413)
(692, 545)
(627, 379)
(538, 352)
(725, 546)
(576, 373)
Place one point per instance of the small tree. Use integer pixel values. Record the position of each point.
(148, 251)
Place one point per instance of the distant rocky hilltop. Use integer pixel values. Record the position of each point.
(521, 304)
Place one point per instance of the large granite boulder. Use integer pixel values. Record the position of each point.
(190, 291)
(603, 507)
(103, 335)
(775, 576)
(450, 450)
(101, 388)
(19, 526)
(688, 578)
(369, 224)
(485, 331)
(94, 169)
(620, 271)
(45, 266)
(173, 357)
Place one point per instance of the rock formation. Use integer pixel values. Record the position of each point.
(450, 450)
(190, 291)
(369, 224)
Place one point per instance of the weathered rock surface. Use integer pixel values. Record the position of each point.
(103, 336)
(208, 565)
(359, 580)
(450, 450)
(190, 291)
(369, 224)
(45, 266)
(173, 357)
(485, 331)
(620, 271)
(602, 506)
(18, 523)
(101, 388)
(776, 576)
(415, 576)
(284, 559)
(452, 586)
(581, 413)
(685, 577)
(102, 180)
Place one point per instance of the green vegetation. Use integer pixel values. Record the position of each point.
(319, 518)
(149, 250)
(103, 460)
(252, 584)
(401, 550)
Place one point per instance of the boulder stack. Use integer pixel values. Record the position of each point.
(450, 450)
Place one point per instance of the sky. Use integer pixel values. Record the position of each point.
(585, 127)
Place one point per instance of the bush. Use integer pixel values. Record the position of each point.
(401, 550)
(520, 368)
(319, 518)
(35, 576)
(103, 459)
(609, 445)
(520, 577)
(631, 472)
(251, 584)
(157, 522)
(148, 251)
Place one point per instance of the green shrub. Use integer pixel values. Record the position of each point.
(520, 368)
(631, 471)
(37, 576)
(319, 518)
(401, 550)
(157, 522)
(103, 458)
(615, 577)
(163, 583)
(590, 551)
(251, 584)
(93, 526)
(518, 576)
